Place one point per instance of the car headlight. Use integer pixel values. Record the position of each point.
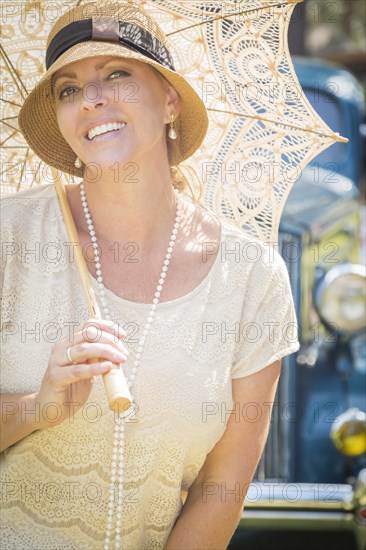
(340, 297)
(348, 432)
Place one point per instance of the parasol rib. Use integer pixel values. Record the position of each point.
(10, 103)
(14, 133)
(238, 12)
(335, 136)
(12, 70)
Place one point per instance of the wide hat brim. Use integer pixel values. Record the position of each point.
(37, 117)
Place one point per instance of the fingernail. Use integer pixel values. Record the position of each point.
(120, 356)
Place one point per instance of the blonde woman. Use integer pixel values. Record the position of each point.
(196, 329)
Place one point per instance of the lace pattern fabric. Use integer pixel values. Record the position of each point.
(232, 324)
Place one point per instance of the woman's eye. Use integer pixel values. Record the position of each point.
(65, 92)
(118, 73)
(70, 90)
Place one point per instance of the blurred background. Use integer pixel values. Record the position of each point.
(325, 209)
(333, 30)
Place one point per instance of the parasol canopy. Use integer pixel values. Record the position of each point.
(262, 129)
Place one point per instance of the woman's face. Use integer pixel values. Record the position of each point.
(113, 110)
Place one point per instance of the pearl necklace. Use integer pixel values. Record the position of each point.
(119, 430)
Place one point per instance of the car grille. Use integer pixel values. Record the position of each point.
(277, 460)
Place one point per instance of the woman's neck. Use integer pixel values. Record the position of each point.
(138, 209)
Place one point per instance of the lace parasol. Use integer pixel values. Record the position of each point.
(262, 129)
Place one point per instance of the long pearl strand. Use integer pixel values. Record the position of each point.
(119, 430)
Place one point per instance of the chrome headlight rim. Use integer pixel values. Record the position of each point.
(324, 283)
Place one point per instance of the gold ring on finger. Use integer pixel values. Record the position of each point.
(69, 358)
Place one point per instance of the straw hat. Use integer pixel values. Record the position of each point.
(99, 29)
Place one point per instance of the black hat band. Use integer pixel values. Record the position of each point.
(107, 29)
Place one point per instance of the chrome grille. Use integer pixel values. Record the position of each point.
(277, 460)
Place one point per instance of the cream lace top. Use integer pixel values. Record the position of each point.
(55, 482)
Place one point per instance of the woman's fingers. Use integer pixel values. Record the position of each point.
(91, 330)
(99, 330)
(75, 373)
(58, 380)
(92, 339)
(80, 353)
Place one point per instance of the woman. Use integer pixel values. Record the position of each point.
(198, 334)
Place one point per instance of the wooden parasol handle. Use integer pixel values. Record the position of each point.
(118, 394)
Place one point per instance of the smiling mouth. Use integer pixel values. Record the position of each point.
(104, 129)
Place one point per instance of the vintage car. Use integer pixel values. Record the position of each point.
(312, 475)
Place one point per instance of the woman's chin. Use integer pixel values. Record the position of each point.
(119, 168)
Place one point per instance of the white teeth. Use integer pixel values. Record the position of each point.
(103, 128)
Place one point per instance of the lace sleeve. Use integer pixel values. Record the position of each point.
(268, 325)
(8, 246)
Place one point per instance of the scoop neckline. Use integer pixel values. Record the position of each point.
(144, 305)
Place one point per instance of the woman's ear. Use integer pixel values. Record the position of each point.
(174, 103)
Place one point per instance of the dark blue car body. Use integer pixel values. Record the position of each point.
(303, 482)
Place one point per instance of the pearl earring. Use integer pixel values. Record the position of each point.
(78, 163)
(172, 133)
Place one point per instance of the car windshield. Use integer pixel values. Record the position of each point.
(330, 111)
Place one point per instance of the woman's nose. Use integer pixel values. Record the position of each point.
(93, 96)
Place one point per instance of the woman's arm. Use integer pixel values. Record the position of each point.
(65, 385)
(19, 417)
(215, 500)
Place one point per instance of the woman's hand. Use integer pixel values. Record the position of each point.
(68, 383)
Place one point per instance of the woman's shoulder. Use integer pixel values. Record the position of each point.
(237, 246)
(28, 205)
(37, 192)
